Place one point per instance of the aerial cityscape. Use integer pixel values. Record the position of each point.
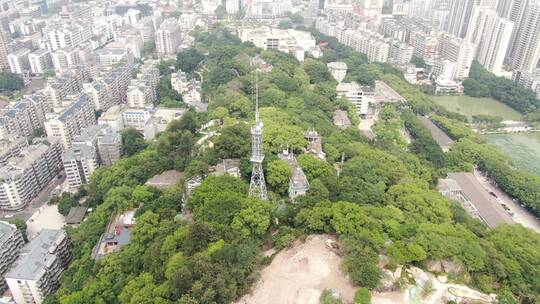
(269, 151)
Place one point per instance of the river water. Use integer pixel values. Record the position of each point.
(523, 148)
(470, 106)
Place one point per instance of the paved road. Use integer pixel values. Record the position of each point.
(521, 215)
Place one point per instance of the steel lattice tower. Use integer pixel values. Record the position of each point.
(257, 187)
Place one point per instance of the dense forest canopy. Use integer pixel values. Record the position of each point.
(382, 202)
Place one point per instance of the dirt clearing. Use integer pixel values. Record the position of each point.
(300, 274)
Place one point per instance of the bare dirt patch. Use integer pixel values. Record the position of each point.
(300, 274)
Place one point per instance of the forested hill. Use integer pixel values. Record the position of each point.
(382, 202)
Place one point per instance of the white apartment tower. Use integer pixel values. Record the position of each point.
(458, 51)
(36, 273)
(70, 123)
(526, 51)
(512, 10)
(492, 35)
(25, 175)
(18, 61)
(11, 242)
(40, 61)
(168, 37)
(458, 20)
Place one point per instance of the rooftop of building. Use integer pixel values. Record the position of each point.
(338, 65)
(341, 119)
(6, 229)
(35, 256)
(18, 164)
(490, 210)
(10, 142)
(167, 179)
(112, 113)
(76, 215)
(75, 107)
(385, 93)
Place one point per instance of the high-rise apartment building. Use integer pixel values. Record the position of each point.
(96, 145)
(11, 242)
(24, 117)
(67, 34)
(36, 273)
(4, 49)
(25, 175)
(526, 50)
(72, 120)
(492, 35)
(40, 61)
(458, 20)
(168, 37)
(63, 85)
(460, 52)
(512, 10)
(11, 146)
(18, 61)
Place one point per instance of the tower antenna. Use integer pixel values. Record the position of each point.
(257, 186)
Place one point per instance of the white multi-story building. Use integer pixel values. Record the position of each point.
(24, 117)
(359, 96)
(112, 118)
(4, 49)
(65, 59)
(36, 273)
(81, 160)
(63, 85)
(426, 46)
(11, 146)
(267, 9)
(70, 122)
(232, 6)
(139, 95)
(400, 53)
(492, 35)
(459, 51)
(529, 80)
(67, 35)
(371, 9)
(338, 70)
(40, 61)
(168, 37)
(18, 61)
(179, 82)
(108, 57)
(512, 10)
(460, 14)
(11, 242)
(25, 175)
(98, 92)
(289, 41)
(526, 51)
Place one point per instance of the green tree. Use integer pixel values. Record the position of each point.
(188, 60)
(316, 70)
(66, 202)
(132, 142)
(21, 226)
(362, 296)
(10, 82)
(278, 175)
(232, 142)
(254, 220)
